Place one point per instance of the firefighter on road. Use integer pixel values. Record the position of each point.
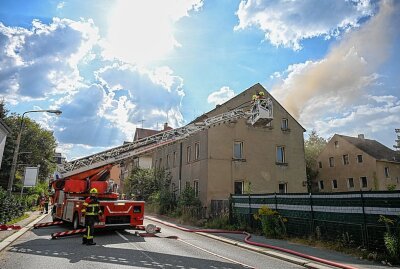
(91, 211)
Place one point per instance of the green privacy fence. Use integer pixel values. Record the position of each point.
(350, 216)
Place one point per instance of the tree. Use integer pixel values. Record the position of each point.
(313, 146)
(152, 186)
(397, 146)
(141, 184)
(36, 148)
(3, 110)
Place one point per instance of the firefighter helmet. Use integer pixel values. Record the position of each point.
(93, 191)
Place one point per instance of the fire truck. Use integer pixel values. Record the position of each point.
(77, 177)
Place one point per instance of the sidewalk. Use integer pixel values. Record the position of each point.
(7, 237)
(238, 240)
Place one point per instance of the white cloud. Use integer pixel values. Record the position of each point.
(142, 31)
(372, 119)
(43, 60)
(83, 121)
(145, 91)
(55, 63)
(106, 114)
(286, 23)
(220, 96)
(60, 5)
(77, 151)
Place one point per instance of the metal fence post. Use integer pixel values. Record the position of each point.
(365, 231)
(250, 217)
(312, 213)
(230, 209)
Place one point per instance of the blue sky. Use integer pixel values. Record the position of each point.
(334, 65)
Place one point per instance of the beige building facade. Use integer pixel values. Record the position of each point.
(356, 163)
(235, 157)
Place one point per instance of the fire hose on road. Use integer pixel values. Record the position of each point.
(248, 241)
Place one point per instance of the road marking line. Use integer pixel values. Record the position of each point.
(126, 239)
(215, 254)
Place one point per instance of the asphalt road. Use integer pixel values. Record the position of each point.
(171, 248)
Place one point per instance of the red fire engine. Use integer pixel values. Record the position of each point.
(70, 193)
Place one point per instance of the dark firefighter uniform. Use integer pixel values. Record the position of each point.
(91, 210)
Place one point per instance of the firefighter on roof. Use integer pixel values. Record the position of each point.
(91, 211)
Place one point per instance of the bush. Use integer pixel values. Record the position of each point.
(392, 237)
(189, 206)
(11, 207)
(273, 224)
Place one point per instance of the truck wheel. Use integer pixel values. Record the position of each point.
(75, 221)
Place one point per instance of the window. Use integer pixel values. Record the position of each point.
(363, 182)
(320, 164)
(187, 184)
(350, 183)
(346, 159)
(155, 164)
(359, 158)
(167, 161)
(331, 162)
(196, 188)
(386, 172)
(196, 151)
(334, 184)
(284, 124)
(160, 164)
(282, 187)
(238, 187)
(280, 154)
(174, 160)
(321, 184)
(336, 144)
(238, 150)
(188, 153)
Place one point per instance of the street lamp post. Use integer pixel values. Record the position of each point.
(16, 150)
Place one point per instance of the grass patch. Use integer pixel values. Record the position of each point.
(24, 216)
(357, 252)
(221, 223)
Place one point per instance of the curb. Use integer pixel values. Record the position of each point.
(271, 253)
(6, 242)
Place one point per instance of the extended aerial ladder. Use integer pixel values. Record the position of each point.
(78, 176)
(260, 114)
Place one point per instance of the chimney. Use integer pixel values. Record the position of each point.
(361, 136)
(165, 126)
